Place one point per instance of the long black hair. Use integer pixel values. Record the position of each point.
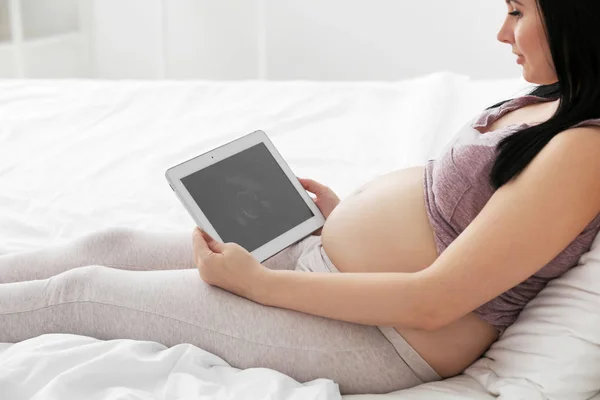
(573, 33)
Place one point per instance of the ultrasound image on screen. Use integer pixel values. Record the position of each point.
(248, 198)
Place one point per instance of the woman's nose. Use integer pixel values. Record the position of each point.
(505, 33)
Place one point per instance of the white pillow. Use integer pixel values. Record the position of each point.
(553, 348)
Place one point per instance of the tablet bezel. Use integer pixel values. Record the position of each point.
(176, 173)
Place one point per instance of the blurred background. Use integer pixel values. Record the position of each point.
(339, 40)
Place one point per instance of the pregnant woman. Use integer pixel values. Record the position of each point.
(411, 278)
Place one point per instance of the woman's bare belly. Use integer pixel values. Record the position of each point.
(384, 227)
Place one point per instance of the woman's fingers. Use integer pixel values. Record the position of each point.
(213, 245)
(312, 186)
(201, 249)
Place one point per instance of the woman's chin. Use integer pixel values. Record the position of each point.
(532, 79)
(538, 80)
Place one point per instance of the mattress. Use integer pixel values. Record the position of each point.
(78, 156)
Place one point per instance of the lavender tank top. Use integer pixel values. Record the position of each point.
(457, 188)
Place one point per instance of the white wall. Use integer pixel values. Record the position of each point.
(386, 39)
(300, 39)
(43, 39)
(264, 39)
(127, 39)
(48, 17)
(212, 39)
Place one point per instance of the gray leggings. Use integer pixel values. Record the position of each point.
(129, 284)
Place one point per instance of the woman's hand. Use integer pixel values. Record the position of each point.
(326, 199)
(229, 266)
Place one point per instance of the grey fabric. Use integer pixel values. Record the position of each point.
(130, 284)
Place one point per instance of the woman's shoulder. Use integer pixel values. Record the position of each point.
(593, 122)
(489, 115)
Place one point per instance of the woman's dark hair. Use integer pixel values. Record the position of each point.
(573, 33)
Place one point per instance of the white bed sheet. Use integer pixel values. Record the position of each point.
(79, 156)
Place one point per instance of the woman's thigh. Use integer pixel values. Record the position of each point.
(121, 248)
(177, 306)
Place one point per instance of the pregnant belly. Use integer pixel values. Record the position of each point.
(384, 227)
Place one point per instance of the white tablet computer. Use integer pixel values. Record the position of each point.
(244, 192)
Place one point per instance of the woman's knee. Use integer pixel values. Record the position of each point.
(74, 284)
(108, 239)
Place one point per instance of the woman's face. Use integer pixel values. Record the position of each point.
(523, 29)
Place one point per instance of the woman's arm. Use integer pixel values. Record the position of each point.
(525, 224)
(360, 297)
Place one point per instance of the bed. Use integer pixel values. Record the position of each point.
(82, 155)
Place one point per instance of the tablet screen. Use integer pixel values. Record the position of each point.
(248, 198)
